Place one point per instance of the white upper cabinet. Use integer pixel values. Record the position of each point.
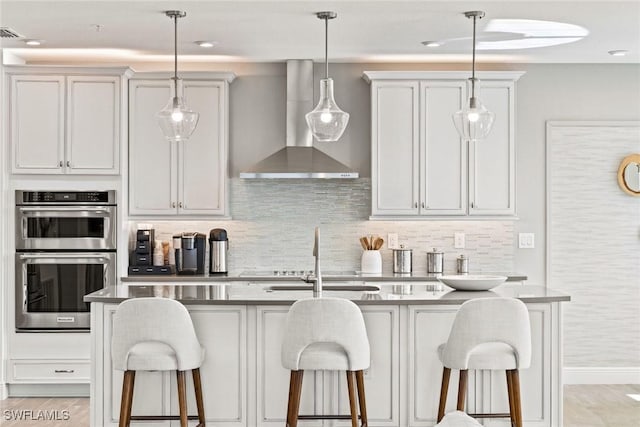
(186, 178)
(421, 168)
(65, 121)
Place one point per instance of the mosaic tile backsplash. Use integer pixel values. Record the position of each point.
(274, 220)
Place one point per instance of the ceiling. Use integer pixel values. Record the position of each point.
(129, 32)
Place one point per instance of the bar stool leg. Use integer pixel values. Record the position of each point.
(127, 398)
(362, 399)
(182, 397)
(462, 389)
(295, 389)
(352, 399)
(444, 389)
(197, 385)
(515, 380)
(510, 393)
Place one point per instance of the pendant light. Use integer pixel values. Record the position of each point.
(176, 120)
(327, 121)
(474, 121)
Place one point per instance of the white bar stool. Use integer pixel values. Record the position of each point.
(326, 334)
(156, 334)
(488, 333)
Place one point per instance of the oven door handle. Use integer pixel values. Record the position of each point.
(64, 256)
(63, 209)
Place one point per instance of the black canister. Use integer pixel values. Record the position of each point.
(218, 247)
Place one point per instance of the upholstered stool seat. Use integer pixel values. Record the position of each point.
(156, 334)
(488, 333)
(326, 334)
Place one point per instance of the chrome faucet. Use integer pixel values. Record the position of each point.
(317, 277)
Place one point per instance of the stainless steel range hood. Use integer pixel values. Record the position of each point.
(299, 159)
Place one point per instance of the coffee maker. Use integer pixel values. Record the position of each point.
(190, 254)
(218, 247)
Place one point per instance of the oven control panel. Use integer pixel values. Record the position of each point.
(65, 197)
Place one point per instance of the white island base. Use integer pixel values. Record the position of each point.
(244, 383)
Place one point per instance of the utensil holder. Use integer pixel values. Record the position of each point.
(371, 262)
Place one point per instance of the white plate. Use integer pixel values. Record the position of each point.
(467, 282)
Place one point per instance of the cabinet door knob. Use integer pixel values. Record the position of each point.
(473, 205)
(68, 164)
(180, 204)
(423, 205)
(415, 205)
(173, 204)
(61, 164)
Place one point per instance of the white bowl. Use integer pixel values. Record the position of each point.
(467, 282)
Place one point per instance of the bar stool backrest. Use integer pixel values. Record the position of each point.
(489, 320)
(325, 320)
(155, 320)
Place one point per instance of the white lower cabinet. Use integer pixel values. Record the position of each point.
(44, 371)
(244, 383)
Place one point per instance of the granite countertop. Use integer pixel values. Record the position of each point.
(253, 293)
(329, 276)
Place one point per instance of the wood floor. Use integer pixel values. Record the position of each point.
(584, 406)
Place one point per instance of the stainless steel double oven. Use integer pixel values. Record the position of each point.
(65, 249)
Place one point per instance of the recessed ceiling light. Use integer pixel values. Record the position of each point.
(33, 42)
(431, 43)
(204, 43)
(619, 52)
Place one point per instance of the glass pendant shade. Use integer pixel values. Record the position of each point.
(474, 121)
(176, 119)
(327, 121)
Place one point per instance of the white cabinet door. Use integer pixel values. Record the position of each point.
(224, 369)
(492, 160)
(37, 124)
(395, 145)
(443, 154)
(382, 379)
(429, 327)
(203, 158)
(273, 380)
(93, 124)
(152, 159)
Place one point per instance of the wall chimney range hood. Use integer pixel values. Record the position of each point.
(299, 159)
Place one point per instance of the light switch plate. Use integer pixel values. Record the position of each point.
(458, 240)
(526, 241)
(392, 241)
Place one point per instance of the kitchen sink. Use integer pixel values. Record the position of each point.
(309, 287)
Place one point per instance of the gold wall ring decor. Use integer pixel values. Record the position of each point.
(629, 174)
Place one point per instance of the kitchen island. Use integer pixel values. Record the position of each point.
(241, 325)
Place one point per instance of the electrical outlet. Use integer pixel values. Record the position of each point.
(458, 240)
(392, 241)
(526, 241)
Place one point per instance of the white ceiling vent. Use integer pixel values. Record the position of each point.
(8, 33)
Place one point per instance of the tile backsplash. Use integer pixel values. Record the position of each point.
(274, 220)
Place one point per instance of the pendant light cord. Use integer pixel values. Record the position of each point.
(473, 61)
(175, 55)
(326, 47)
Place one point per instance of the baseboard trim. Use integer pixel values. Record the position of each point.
(4, 391)
(48, 390)
(605, 375)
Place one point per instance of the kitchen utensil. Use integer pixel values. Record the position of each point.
(402, 260)
(377, 245)
(364, 243)
(435, 261)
